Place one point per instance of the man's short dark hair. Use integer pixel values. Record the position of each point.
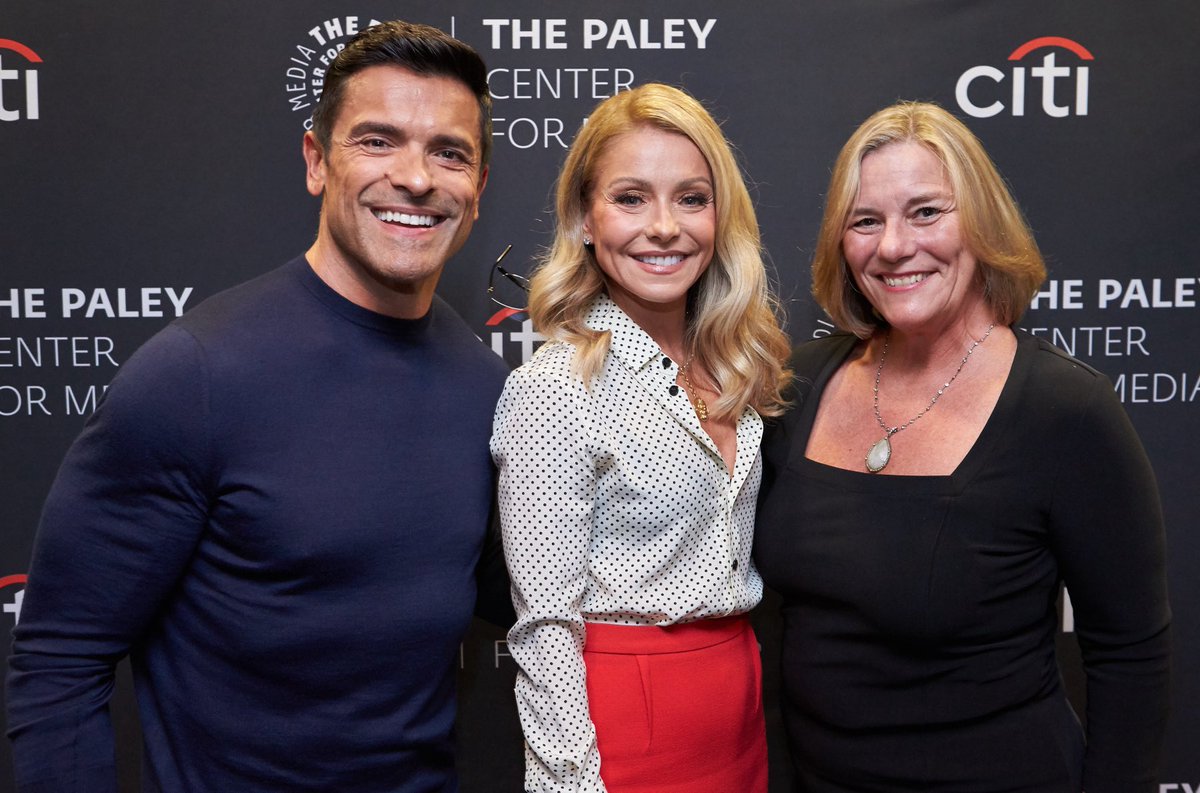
(422, 49)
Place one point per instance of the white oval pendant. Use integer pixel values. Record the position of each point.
(879, 455)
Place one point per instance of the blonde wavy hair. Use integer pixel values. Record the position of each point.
(732, 320)
(1010, 265)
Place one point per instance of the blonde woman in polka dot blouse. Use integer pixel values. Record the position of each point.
(628, 451)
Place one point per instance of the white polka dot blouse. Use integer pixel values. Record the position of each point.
(616, 507)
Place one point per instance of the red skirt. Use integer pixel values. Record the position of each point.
(678, 709)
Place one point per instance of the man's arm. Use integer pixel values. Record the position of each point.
(119, 526)
(493, 598)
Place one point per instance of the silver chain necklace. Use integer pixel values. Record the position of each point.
(880, 453)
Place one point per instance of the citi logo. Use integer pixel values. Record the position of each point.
(1064, 87)
(12, 592)
(18, 87)
(526, 337)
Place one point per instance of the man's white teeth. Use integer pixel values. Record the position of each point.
(907, 280)
(660, 261)
(404, 218)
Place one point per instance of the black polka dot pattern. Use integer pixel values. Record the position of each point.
(617, 508)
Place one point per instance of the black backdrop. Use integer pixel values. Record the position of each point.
(150, 156)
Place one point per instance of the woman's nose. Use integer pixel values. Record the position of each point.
(663, 225)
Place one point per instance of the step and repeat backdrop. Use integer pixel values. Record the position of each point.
(150, 157)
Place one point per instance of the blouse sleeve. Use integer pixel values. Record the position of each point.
(1109, 539)
(542, 445)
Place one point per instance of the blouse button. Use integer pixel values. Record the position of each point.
(673, 390)
(735, 564)
(666, 362)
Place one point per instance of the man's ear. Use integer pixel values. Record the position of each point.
(314, 164)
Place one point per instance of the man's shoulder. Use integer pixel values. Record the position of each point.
(217, 332)
(461, 340)
(262, 300)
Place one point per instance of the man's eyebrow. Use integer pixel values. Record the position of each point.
(376, 127)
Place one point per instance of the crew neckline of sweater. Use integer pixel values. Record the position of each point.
(355, 313)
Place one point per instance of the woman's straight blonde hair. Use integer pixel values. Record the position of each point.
(732, 322)
(1010, 265)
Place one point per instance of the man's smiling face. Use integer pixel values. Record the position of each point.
(401, 180)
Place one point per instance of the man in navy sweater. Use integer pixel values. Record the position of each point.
(279, 510)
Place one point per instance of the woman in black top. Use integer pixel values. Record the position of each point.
(937, 480)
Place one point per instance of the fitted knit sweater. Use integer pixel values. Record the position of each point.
(278, 512)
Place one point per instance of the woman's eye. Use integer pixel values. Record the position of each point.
(696, 200)
(925, 214)
(864, 223)
(629, 199)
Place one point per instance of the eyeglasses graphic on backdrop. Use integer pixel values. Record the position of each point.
(514, 294)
